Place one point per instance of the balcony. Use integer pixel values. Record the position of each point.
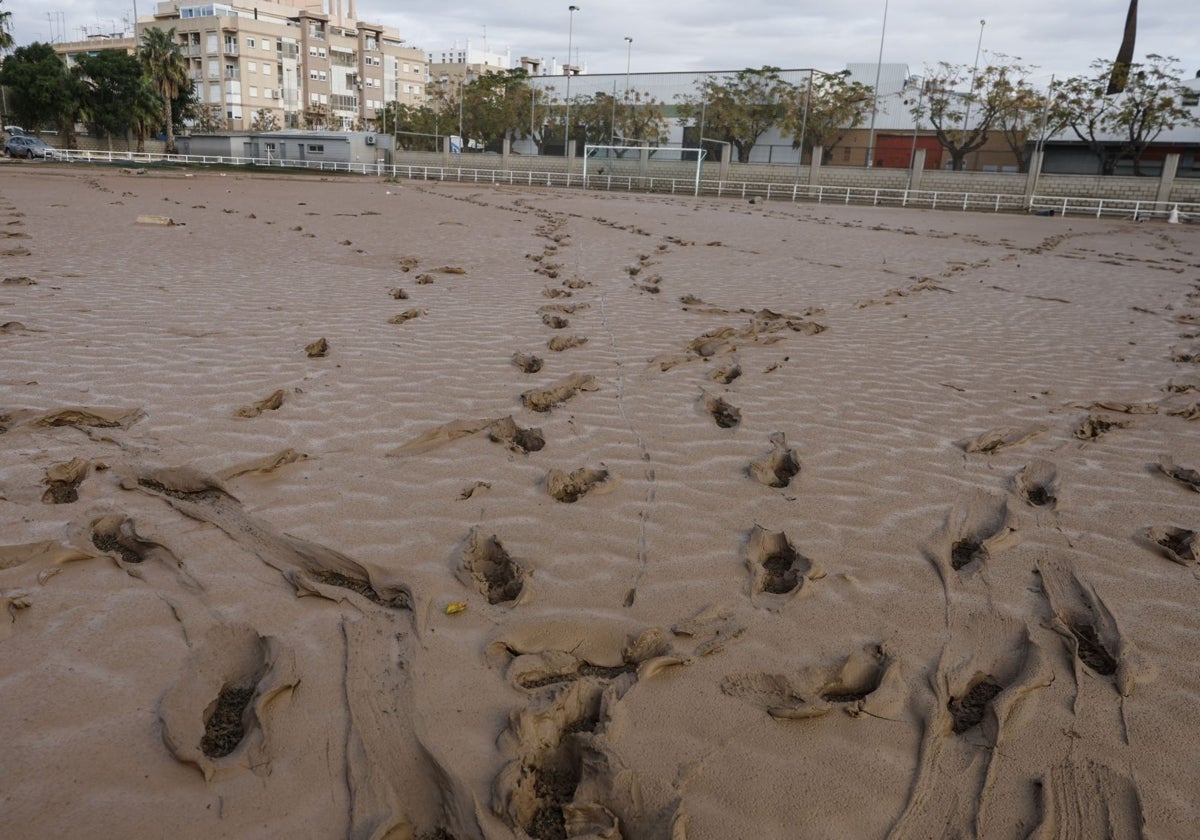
(232, 75)
(230, 48)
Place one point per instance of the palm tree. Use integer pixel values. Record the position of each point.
(147, 112)
(1120, 70)
(6, 38)
(167, 70)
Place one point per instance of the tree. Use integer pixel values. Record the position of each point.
(640, 119)
(493, 105)
(1023, 112)
(1123, 125)
(738, 109)
(540, 118)
(264, 120)
(1120, 68)
(146, 112)
(209, 119)
(6, 38)
(40, 89)
(962, 121)
(414, 127)
(167, 70)
(820, 113)
(110, 81)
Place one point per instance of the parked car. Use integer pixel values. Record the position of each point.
(29, 147)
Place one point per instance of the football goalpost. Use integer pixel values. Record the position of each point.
(632, 162)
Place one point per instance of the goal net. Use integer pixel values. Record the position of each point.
(639, 166)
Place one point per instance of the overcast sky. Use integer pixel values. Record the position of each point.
(1061, 37)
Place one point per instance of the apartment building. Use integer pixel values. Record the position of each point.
(310, 63)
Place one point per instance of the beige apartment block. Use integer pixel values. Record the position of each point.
(312, 64)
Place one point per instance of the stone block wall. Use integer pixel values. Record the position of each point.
(754, 178)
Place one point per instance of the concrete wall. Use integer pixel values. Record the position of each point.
(86, 143)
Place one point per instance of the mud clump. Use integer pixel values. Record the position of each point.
(225, 727)
(968, 711)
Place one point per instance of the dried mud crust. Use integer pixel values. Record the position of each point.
(491, 569)
(1037, 484)
(544, 399)
(777, 569)
(218, 715)
(309, 566)
(62, 482)
(866, 682)
(1176, 544)
(976, 530)
(778, 467)
(331, 578)
(571, 487)
(1089, 628)
(726, 416)
(116, 534)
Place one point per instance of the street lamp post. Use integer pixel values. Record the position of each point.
(875, 92)
(570, 34)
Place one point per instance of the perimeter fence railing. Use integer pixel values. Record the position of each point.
(768, 191)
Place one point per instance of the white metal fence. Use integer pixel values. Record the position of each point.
(932, 199)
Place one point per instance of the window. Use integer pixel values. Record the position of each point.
(270, 147)
(266, 44)
(321, 52)
(316, 148)
(254, 91)
(268, 69)
(252, 67)
(312, 50)
(312, 74)
(250, 42)
(405, 68)
(324, 75)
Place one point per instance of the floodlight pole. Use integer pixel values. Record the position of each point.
(971, 91)
(1040, 146)
(875, 92)
(812, 73)
(912, 152)
(571, 10)
(628, 57)
(612, 125)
